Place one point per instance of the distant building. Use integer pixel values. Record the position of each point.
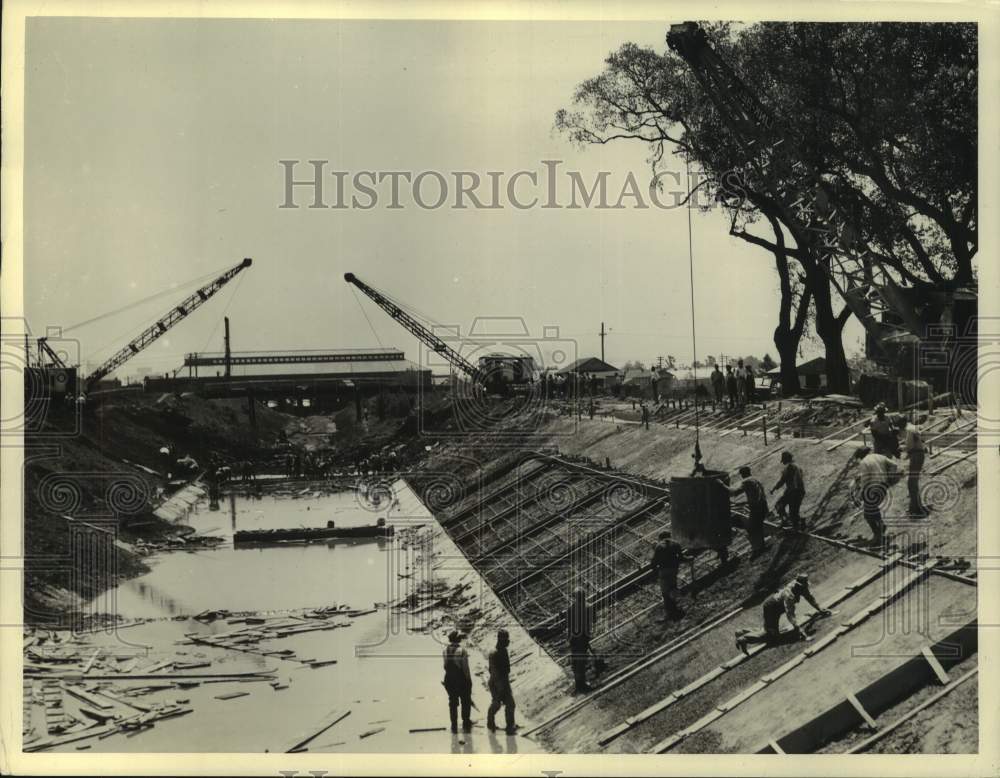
(591, 366)
(812, 375)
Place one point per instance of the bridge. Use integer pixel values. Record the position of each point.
(296, 357)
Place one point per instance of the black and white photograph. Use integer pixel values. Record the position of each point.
(392, 392)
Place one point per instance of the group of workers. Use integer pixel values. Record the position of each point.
(877, 471)
(458, 684)
(738, 384)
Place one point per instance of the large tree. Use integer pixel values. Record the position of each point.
(884, 113)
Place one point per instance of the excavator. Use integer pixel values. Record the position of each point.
(914, 331)
(49, 359)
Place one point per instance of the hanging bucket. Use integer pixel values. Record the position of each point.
(699, 511)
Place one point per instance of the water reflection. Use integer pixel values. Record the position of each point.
(157, 597)
(398, 682)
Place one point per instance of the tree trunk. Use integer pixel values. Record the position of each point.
(788, 333)
(830, 329)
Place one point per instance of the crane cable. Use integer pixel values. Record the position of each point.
(363, 311)
(694, 341)
(225, 311)
(144, 300)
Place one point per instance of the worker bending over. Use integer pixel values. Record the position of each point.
(790, 502)
(756, 504)
(876, 473)
(782, 601)
(667, 558)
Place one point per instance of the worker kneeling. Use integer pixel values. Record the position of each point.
(782, 601)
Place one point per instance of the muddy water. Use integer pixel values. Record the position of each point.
(387, 673)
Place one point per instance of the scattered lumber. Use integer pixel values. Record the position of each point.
(334, 717)
(231, 695)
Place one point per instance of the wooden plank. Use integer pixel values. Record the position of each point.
(231, 695)
(841, 431)
(952, 445)
(90, 699)
(90, 662)
(939, 671)
(865, 715)
(838, 444)
(954, 462)
(775, 747)
(956, 428)
(866, 744)
(742, 697)
(667, 743)
(371, 732)
(334, 717)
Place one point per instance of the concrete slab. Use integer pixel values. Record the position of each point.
(858, 658)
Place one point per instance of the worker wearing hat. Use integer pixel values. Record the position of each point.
(787, 506)
(885, 437)
(458, 681)
(500, 690)
(782, 601)
(667, 558)
(756, 506)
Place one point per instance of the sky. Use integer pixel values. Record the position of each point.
(153, 153)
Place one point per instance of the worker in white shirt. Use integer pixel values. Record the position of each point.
(782, 601)
(876, 473)
(913, 444)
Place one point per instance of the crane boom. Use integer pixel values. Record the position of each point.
(807, 206)
(165, 322)
(422, 333)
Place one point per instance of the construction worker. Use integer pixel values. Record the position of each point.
(718, 383)
(732, 388)
(782, 601)
(748, 379)
(790, 502)
(913, 444)
(756, 504)
(458, 682)
(579, 628)
(667, 558)
(876, 473)
(741, 383)
(884, 437)
(500, 691)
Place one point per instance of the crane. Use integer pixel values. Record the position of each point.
(422, 333)
(894, 317)
(180, 311)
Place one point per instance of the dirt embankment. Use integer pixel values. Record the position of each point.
(102, 469)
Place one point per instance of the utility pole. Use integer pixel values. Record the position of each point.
(228, 353)
(603, 334)
(659, 362)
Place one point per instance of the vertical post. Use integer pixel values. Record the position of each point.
(228, 353)
(602, 333)
(764, 422)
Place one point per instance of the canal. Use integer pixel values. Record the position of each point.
(387, 673)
